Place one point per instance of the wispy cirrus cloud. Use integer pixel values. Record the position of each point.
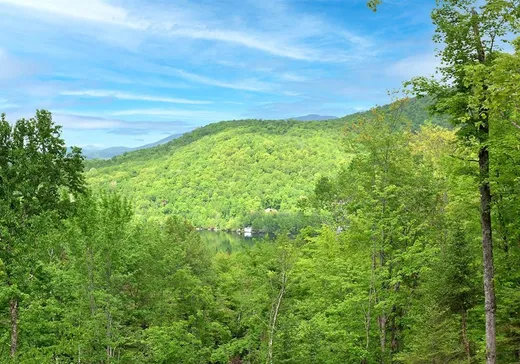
(92, 10)
(5, 104)
(12, 67)
(289, 44)
(293, 77)
(121, 62)
(130, 96)
(85, 122)
(246, 85)
(261, 43)
(417, 65)
(199, 115)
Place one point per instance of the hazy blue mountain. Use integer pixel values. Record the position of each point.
(104, 153)
(314, 117)
(159, 142)
(94, 153)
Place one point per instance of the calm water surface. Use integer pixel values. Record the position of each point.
(226, 241)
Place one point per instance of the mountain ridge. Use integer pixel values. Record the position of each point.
(91, 152)
(110, 152)
(227, 174)
(314, 117)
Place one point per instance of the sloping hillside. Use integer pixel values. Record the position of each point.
(220, 174)
(217, 177)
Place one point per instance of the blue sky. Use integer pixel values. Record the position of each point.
(130, 72)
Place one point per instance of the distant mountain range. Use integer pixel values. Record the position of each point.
(94, 153)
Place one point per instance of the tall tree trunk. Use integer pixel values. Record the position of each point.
(274, 317)
(13, 310)
(108, 313)
(485, 214)
(382, 336)
(382, 319)
(487, 249)
(464, 329)
(395, 328)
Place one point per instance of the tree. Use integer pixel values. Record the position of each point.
(285, 264)
(470, 36)
(38, 184)
(385, 202)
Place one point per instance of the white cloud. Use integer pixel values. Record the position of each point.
(419, 65)
(246, 85)
(283, 42)
(5, 104)
(356, 39)
(291, 93)
(10, 67)
(73, 121)
(232, 63)
(293, 77)
(264, 43)
(189, 115)
(294, 46)
(91, 10)
(129, 96)
(159, 116)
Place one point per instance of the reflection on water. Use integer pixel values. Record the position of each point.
(221, 241)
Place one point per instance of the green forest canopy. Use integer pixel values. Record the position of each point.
(392, 275)
(405, 271)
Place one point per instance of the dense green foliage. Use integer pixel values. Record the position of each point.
(467, 91)
(392, 276)
(386, 267)
(39, 181)
(404, 271)
(227, 174)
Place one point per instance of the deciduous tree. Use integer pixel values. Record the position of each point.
(38, 184)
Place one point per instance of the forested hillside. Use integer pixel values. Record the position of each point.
(227, 174)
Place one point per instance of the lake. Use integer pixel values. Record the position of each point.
(229, 242)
